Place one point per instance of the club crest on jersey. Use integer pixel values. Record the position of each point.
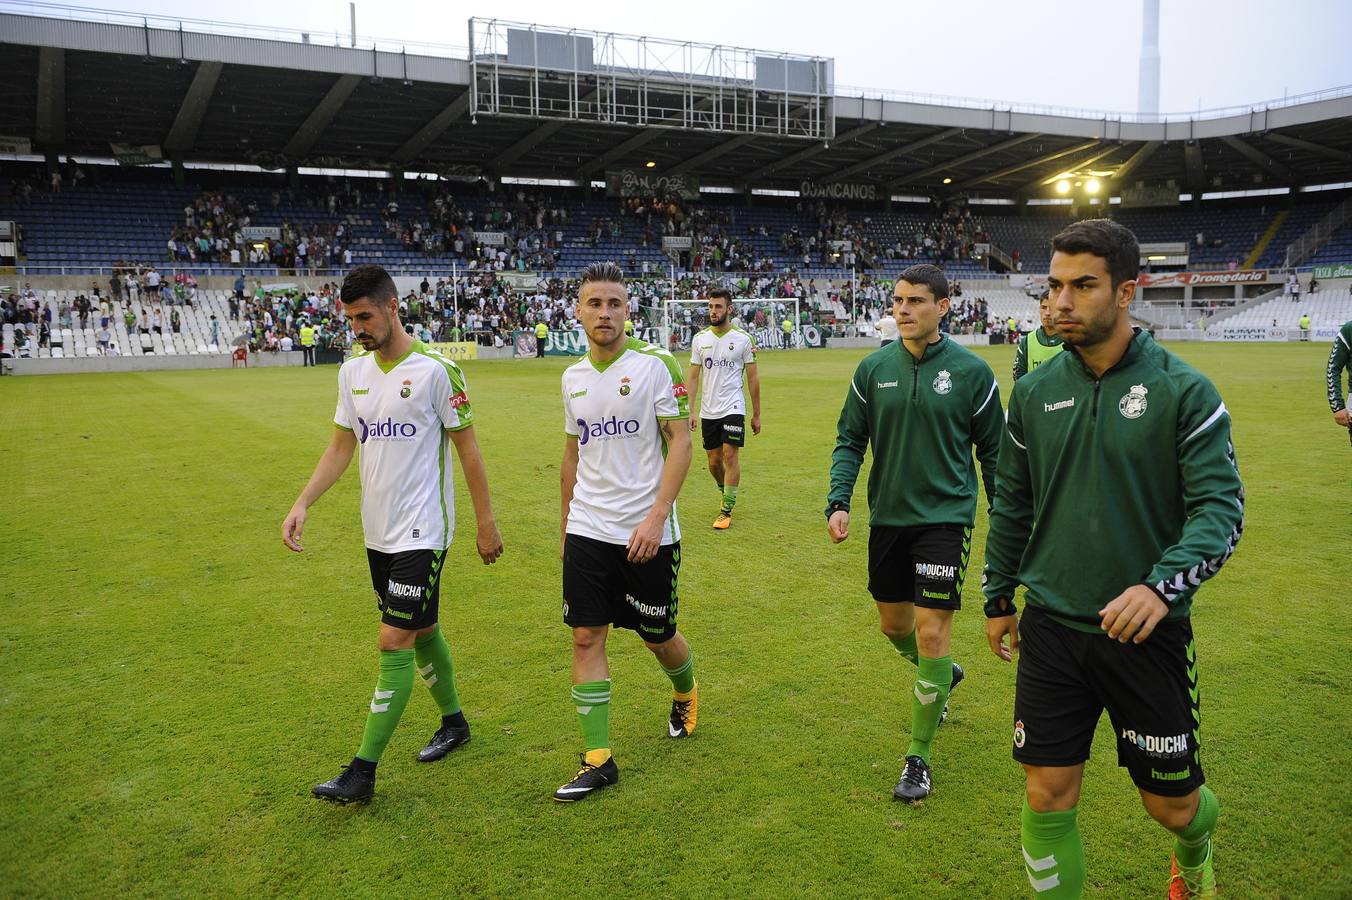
(407, 390)
(624, 386)
(1132, 405)
(943, 382)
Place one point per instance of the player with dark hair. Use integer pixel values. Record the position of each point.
(625, 454)
(923, 404)
(1040, 344)
(1118, 495)
(726, 354)
(1340, 358)
(404, 403)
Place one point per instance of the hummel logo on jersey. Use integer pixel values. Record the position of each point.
(887, 384)
(1060, 404)
(575, 394)
(934, 570)
(358, 392)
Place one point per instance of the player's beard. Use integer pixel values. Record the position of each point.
(1093, 330)
(377, 342)
(607, 339)
(720, 321)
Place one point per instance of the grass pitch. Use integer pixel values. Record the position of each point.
(173, 681)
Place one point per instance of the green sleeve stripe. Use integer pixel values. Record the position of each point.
(452, 370)
(672, 418)
(344, 427)
(670, 361)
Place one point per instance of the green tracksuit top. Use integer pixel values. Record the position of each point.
(922, 416)
(1035, 348)
(1108, 483)
(1340, 358)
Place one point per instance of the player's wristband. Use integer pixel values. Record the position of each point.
(1163, 599)
(994, 609)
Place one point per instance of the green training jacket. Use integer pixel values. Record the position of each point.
(1340, 358)
(1108, 483)
(922, 416)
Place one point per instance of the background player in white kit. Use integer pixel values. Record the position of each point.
(403, 403)
(625, 454)
(723, 352)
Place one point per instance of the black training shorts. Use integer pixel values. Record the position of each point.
(727, 430)
(602, 587)
(1067, 677)
(407, 586)
(924, 565)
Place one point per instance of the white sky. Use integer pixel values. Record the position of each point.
(1056, 52)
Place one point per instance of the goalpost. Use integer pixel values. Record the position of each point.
(683, 317)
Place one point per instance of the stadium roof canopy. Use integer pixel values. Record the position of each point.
(74, 87)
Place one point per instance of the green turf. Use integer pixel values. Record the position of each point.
(173, 681)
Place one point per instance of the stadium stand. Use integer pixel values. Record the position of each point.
(824, 198)
(1325, 309)
(115, 217)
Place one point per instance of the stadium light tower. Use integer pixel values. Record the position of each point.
(1148, 90)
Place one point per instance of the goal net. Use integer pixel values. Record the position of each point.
(683, 317)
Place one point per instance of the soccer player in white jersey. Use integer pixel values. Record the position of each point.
(625, 454)
(403, 403)
(724, 352)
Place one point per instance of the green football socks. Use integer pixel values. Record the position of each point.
(683, 676)
(1194, 841)
(729, 497)
(393, 689)
(438, 672)
(1053, 854)
(932, 682)
(906, 647)
(592, 699)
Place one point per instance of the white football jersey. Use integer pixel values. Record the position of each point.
(400, 415)
(723, 358)
(614, 410)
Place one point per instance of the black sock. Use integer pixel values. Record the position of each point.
(364, 766)
(454, 720)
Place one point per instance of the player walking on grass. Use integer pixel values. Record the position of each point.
(1040, 344)
(1118, 495)
(923, 403)
(1340, 358)
(724, 352)
(625, 453)
(403, 403)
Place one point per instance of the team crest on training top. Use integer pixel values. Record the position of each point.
(943, 382)
(624, 386)
(407, 390)
(1132, 405)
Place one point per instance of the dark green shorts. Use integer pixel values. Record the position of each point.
(407, 586)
